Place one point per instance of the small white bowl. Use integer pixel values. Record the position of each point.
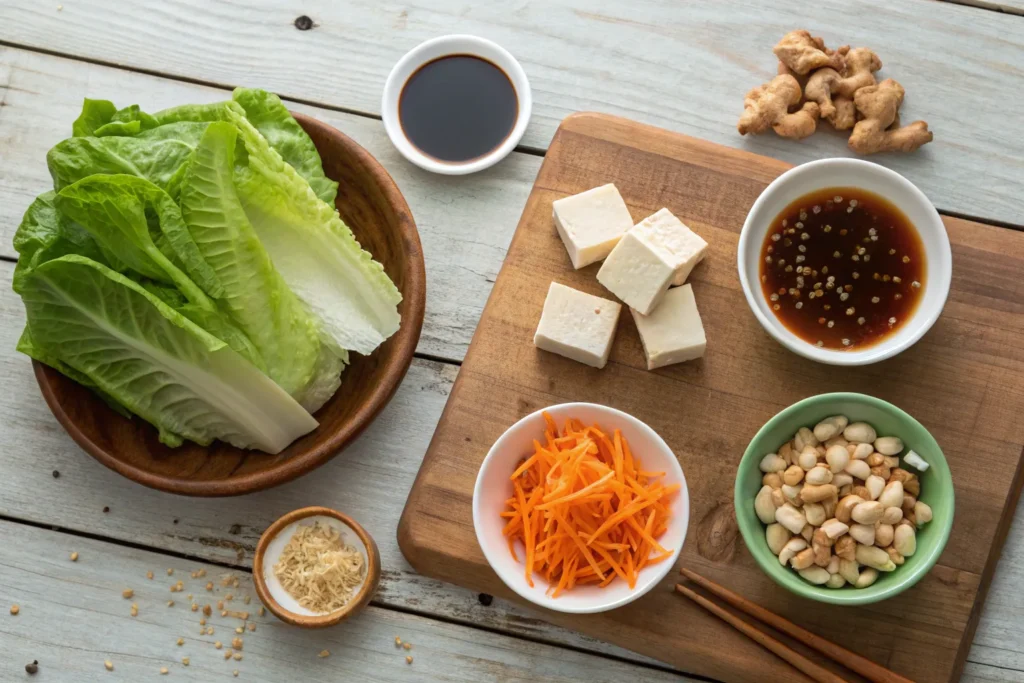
(440, 47)
(493, 487)
(889, 184)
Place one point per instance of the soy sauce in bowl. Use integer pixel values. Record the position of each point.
(458, 107)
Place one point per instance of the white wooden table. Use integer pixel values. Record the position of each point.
(684, 66)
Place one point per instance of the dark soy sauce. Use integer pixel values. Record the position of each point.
(842, 268)
(458, 107)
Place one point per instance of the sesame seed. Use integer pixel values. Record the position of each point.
(803, 215)
(776, 237)
(816, 209)
(846, 342)
(802, 248)
(800, 258)
(898, 296)
(853, 202)
(848, 288)
(915, 284)
(892, 320)
(819, 343)
(831, 278)
(799, 225)
(74, 557)
(324, 653)
(787, 242)
(906, 259)
(844, 296)
(764, 278)
(831, 324)
(886, 278)
(127, 593)
(850, 310)
(875, 299)
(860, 321)
(828, 228)
(782, 261)
(186, 661)
(799, 305)
(856, 275)
(821, 321)
(824, 270)
(837, 199)
(867, 257)
(108, 665)
(775, 307)
(843, 232)
(855, 257)
(897, 279)
(767, 259)
(817, 285)
(789, 269)
(805, 236)
(784, 222)
(874, 238)
(827, 307)
(771, 249)
(774, 297)
(163, 671)
(836, 254)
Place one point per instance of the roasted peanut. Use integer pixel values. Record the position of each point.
(876, 558)
(829, 505)
(804, 437)
(905, 540)
(881, 471)
(792, 494)
(772, 463)
(857, 468)
(846, 548)
(842, 479)
(772, 479)
(787, 453)
(817, 475)
(791, 518)
(895, 556)
(815, 513)
(835, 581)
(866, 578)
(803, 559)
(860, 432)
(861, 490)
(777, 537)
(909, 501)
(849, 570)
(835, 441)
(807, 459)
(892, 495)
(837, 458)
(884, 534)
(868, 512)
(875, 459)
(833, 564)
(863, 533)
(833, 528)
(922, 513)
(888, 445)
(862, 450)
(763, 505)
(892, 516)
(874, 485)
(793, 475)
(829, 427)
(807, 532)
(815, 575)
(777, 498)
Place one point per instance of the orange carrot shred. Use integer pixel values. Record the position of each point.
(584, 510)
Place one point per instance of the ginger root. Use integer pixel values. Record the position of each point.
(801, 53)
(879, 107)
(861, 65)
(768, 105)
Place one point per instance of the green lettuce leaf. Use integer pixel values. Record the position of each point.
(95, 114)
(255, 296)
(272, 119)
(154, 361)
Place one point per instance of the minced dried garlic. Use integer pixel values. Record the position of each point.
(319, 569)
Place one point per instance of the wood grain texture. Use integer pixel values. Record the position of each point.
(369, 481)
(465, 224)
(371, 205)
(964, 381)
(72, 618)
(681, 65)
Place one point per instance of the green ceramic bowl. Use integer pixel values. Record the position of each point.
(888, 420)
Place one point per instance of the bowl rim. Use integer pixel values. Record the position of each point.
(655, 578)
(793, 582)
(939, 276)
(405, 341)
(452, 44)
(358, 601)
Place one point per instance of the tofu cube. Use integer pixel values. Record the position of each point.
(591, 223)
(638, 271)
(686, 246)
(577, 325)
(672, 333)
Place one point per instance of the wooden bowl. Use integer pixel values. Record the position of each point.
(371, 204)
(268, 550)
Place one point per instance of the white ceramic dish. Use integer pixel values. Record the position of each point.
(493, 487)
(454, 45)
(848, 173)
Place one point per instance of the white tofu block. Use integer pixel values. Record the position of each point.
(638, 271)
(591, 223)
(577, 325)
(686, 247)
(672, 333)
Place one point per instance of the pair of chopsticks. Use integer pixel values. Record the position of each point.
(865, 667)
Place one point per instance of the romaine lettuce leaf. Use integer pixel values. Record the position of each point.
(154, 361)
(255, 295)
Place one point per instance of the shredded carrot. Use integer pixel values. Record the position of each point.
(584, 509)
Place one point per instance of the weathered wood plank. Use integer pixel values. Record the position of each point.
(72, 618)
(465, 225)
(683, 66)
(370, 481)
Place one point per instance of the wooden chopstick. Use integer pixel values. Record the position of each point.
(818, 673)
(865, 667)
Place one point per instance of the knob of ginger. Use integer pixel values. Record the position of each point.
(861, 65)
(768, 105)
(801, 53)
(879, 106)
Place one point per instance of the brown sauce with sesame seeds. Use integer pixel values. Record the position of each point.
(842, 268)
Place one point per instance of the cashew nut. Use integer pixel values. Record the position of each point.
(888, 445)
(909, 501)
(772, 463)
(804, 437)
(857, 468)
(876, 558)
(868, 512)
(833, 528)
(792, 494)
(875, 459)
(891, 461)
(791, 518)
(829, 505)
(815, 575)
(816, 494)
(884, 534)
(807, 532)
(833, 565)
(881, 471)
(821, 545)
(830, 427)
(777, 498)
(861, 490)
(793, 475)
(905, 540)
(763, 505)
(790, 549)
(818, 475)
(815, 513)
(787, 453)
(866, 578)
(860, 432)
(777, 537)
(874, 485)
(842, 479)
(863, 533)
(892, 496)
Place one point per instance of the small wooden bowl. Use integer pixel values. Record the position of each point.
(371, 204)
(268, 550)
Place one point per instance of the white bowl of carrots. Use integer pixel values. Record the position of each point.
(607, 508)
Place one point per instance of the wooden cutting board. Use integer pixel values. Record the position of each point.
(964, 381)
